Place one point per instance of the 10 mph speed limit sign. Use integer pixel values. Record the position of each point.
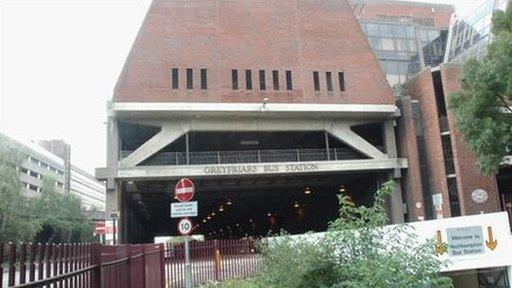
(185, 226)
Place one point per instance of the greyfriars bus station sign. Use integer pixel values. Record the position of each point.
(260, 169)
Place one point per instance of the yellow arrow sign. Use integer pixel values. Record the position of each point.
(440, 247)
(491, 243)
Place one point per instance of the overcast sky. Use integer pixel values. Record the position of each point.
(60, 61)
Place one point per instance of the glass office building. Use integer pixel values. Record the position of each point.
(468, 37)
(404, 46)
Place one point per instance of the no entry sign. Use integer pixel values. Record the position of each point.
(184, 190)
(100, 228)
(185, 226)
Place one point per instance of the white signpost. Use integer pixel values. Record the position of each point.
(184, 209)
(184, 192)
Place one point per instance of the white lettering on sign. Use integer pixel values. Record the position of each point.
(184, 209)
(254, 169)
(465, 241)
(185, 190)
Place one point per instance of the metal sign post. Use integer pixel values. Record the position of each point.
(185, 228)
(188, 268)
(184, 192)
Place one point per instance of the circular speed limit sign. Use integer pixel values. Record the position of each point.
(185, 226)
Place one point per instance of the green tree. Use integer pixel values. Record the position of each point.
(61, 216)
(357, 251)
(482, 106)
(16, 221)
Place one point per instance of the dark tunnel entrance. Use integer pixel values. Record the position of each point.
(255, 206)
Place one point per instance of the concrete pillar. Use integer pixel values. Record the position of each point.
(395, 202)
(112, 158)
(123, 215)
(390, 143)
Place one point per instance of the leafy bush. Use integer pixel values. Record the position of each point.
(357, 251)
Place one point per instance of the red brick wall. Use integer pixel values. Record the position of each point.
(301, 36)
(468, 176)
(408, 148)
(422, 88)
(371, 10)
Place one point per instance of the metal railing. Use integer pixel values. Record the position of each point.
(212, 260)
(81, 265)
(250, 156)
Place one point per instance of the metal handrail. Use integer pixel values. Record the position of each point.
(250, 156)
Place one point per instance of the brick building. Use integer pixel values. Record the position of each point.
(265, 97)
(428, 131)
(273, 108)
(254, 101)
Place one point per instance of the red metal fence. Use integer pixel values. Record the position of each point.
(212, 260)
(121, 266)
(81, 265)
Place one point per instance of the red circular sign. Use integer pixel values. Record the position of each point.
(184, 190)
(184, 226)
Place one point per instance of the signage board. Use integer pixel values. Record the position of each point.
(185, 226)
(437, 199)
(472, 242)
(465, 240)
(479, 196)
(100, 228)
(184, 209)
(184, 190)
(480, 241)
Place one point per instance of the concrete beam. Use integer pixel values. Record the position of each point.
(169, 133)
(343, 132)
(303, 110)
(284, 168)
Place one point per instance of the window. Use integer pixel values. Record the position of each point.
(190, 79)
(204, 79)
(372, 29)
(341, 79)
(289, 84)
(248, 79)
(275, 79)
(328, 80)
(175, 79)
(387, 44)
(234, 79)
(263, 85)
(316, 81)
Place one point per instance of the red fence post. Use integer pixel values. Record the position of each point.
(12, 259)
(96, 275)
(162, 265)
(217, 260)
(143, 267)
(23, 263)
